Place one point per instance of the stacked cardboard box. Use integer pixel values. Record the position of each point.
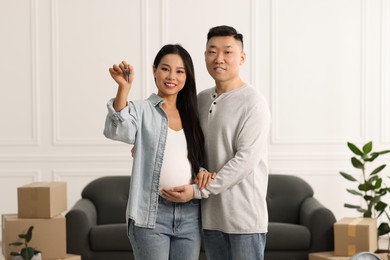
(351, 236)
(41, 205)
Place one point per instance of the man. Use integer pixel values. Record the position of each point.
(235, 119)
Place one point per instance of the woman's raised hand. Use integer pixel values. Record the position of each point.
(123, 73)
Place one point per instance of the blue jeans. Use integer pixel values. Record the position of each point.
(177, 234)
(223, 246)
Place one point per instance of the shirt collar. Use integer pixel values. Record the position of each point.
(155, 99)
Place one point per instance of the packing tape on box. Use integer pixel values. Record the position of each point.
(351, 250)
(352, 233)
(352, 227)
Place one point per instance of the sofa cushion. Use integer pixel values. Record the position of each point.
(111, 237)
(109, 195)
(282, 236)
(285, 196)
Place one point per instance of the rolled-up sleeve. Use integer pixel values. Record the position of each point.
(122, 125)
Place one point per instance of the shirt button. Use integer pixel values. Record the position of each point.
(215, 103)
(210, 111)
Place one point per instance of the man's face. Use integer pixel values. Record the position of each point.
(224, 56)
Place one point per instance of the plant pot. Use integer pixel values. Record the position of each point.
(35, 257)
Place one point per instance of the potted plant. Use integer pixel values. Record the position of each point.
(27, 252)
(371, 187)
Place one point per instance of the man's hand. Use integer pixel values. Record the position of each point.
(204, 178)
(132, 152)
(183, 193)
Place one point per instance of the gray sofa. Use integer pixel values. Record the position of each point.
(298, 223)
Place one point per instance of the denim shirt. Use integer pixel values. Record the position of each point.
(144, 124)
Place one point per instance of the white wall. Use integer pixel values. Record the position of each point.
(324, 67)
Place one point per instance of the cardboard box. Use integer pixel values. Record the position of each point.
(353, 235)
(330, 256)
(384, 256)
(48, 236)
(42, 199)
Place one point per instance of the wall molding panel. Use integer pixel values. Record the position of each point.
(164, 21)
(35, 72)
(62, 175)
(17, 174)
(55, 67)
(254, 42)
(59, 138)
(276, 137)
(385, 75)
(117, 157)
(145, 47)
(33, 67)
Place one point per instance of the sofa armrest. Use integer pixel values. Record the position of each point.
(79, 220)
(319, 220)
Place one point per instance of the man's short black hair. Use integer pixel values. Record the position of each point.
(224, 30)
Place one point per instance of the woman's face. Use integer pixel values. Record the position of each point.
(170, 75)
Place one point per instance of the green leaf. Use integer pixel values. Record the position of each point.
(381, 192)
(383, 229)
(347, 176)
(372, 158)
(369, 198)
(380, 206)
(27, 253)
(16, 244)
(361, 210)
(15, 254)
(354, 192)
(373, 178)
(373, 200)
(366, 186)
(351, 206)
(29, 234)
(23, 236)
(367, 148)
(354, 149)
(377, 170)
(378, 183)
(383, 152)
(356, 163)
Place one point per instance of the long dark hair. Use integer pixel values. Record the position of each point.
(187, 105)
